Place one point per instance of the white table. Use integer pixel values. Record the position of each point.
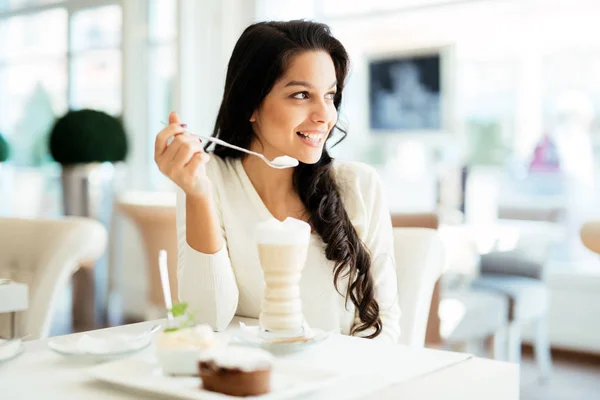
(39, 371)
(13, 298)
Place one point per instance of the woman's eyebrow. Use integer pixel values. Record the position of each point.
(306, 84)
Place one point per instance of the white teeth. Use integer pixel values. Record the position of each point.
(312, 136)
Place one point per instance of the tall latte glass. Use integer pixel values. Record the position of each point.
(282, 249)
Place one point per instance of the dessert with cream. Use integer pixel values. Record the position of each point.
(236, 371)
(177, 351)
(197, 337)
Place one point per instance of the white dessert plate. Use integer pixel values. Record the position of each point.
(288, 380)
(91, 346)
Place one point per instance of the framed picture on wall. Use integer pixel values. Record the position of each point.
(409, 92)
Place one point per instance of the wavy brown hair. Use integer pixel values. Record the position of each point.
(260, 57)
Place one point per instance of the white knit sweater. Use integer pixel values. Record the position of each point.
(230, 282)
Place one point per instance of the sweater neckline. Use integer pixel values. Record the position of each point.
(255, 199)
(249, 188)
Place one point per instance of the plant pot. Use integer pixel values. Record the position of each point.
(88, 191)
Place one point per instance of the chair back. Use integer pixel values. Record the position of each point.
(44, 254)
(154, 215)
(419, 262)
(590, 235)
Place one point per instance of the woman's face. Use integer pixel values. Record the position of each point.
(297, 115)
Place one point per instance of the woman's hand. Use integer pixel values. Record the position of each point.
(183, 160)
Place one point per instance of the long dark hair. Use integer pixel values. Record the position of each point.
(259, 59)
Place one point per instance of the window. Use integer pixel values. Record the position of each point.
(95, 62)
(162, 72)
(43, 72)
(33, 81)
(9, 5)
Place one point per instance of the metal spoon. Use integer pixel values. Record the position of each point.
(277, 163)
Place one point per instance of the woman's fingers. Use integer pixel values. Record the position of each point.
(196, 164)
(181, 156)
(179, 141)
(174, 118)
(186, 149)
(162, 139)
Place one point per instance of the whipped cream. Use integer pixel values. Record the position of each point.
(242, 358)
(197, 337)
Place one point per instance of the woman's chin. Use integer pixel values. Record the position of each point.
(310, 158)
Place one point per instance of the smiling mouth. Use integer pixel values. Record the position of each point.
(314, 139)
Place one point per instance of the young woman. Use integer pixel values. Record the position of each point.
(282, 94)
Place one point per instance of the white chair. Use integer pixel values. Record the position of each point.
(153, 213)
(419, 262)
(590, 236)
(520, 278)
(44, 253)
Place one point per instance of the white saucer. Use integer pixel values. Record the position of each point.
(250, 336)
(11, 350)
(94, 347)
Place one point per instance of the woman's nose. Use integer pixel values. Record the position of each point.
(320, 112)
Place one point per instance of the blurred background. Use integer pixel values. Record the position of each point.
(481, 114)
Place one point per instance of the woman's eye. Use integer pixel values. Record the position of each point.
(300, 95)
(304, 96)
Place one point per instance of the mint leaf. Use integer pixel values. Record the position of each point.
(184, 319)
(179, 309)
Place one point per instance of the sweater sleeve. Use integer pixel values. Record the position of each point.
(378, 237)
(206, 281)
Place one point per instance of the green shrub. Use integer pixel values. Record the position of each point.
(4, 149)
(87, 136)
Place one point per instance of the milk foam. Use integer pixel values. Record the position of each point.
(290, 231)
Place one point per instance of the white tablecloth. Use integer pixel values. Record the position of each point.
(368, 367)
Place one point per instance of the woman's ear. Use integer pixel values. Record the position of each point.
(253, 117)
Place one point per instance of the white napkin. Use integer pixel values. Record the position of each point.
(9, 350)
(105, 344)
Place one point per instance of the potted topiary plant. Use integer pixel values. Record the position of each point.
(87, 144)
(4, 149)
(5, 183)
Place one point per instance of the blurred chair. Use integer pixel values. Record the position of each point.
(469, 315)
(590, 236)
(521, 281)
(154, 215)
(459, 317)
(44, 254)
(419, 261)
(431, 221)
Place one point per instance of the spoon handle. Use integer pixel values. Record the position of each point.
(164, 280)
(223, 143)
